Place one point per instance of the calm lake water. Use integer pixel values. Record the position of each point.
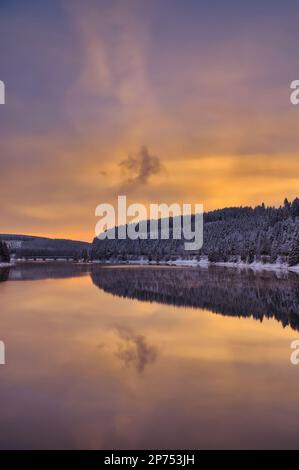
(147, 357)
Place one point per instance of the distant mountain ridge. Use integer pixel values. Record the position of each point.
(32, 246)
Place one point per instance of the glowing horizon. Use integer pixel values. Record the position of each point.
(205, 89)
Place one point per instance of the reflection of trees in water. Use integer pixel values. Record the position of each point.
(4, 274)
(38, 271)
(225, 291)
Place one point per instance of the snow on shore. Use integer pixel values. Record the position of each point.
(204, 262)
(195, 262)
(255, 266)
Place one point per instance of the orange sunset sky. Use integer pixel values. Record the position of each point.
(164, 101)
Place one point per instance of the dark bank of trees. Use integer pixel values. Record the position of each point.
(265, 234)
(4, 253)
(38, 247)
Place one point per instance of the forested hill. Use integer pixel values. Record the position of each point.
(31, 246)
(266, 234)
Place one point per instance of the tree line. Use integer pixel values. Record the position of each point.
(265, 234)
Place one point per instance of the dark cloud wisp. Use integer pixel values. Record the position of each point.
(138, 168)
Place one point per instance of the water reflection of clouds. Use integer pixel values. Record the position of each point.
(211, 382)
(134, 350)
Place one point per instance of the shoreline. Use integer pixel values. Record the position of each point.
(203, 263)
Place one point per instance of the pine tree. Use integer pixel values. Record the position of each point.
(84, 256)
(294, 253)
(274, 251)
(4, 253)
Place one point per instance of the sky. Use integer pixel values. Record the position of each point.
(164, 101)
